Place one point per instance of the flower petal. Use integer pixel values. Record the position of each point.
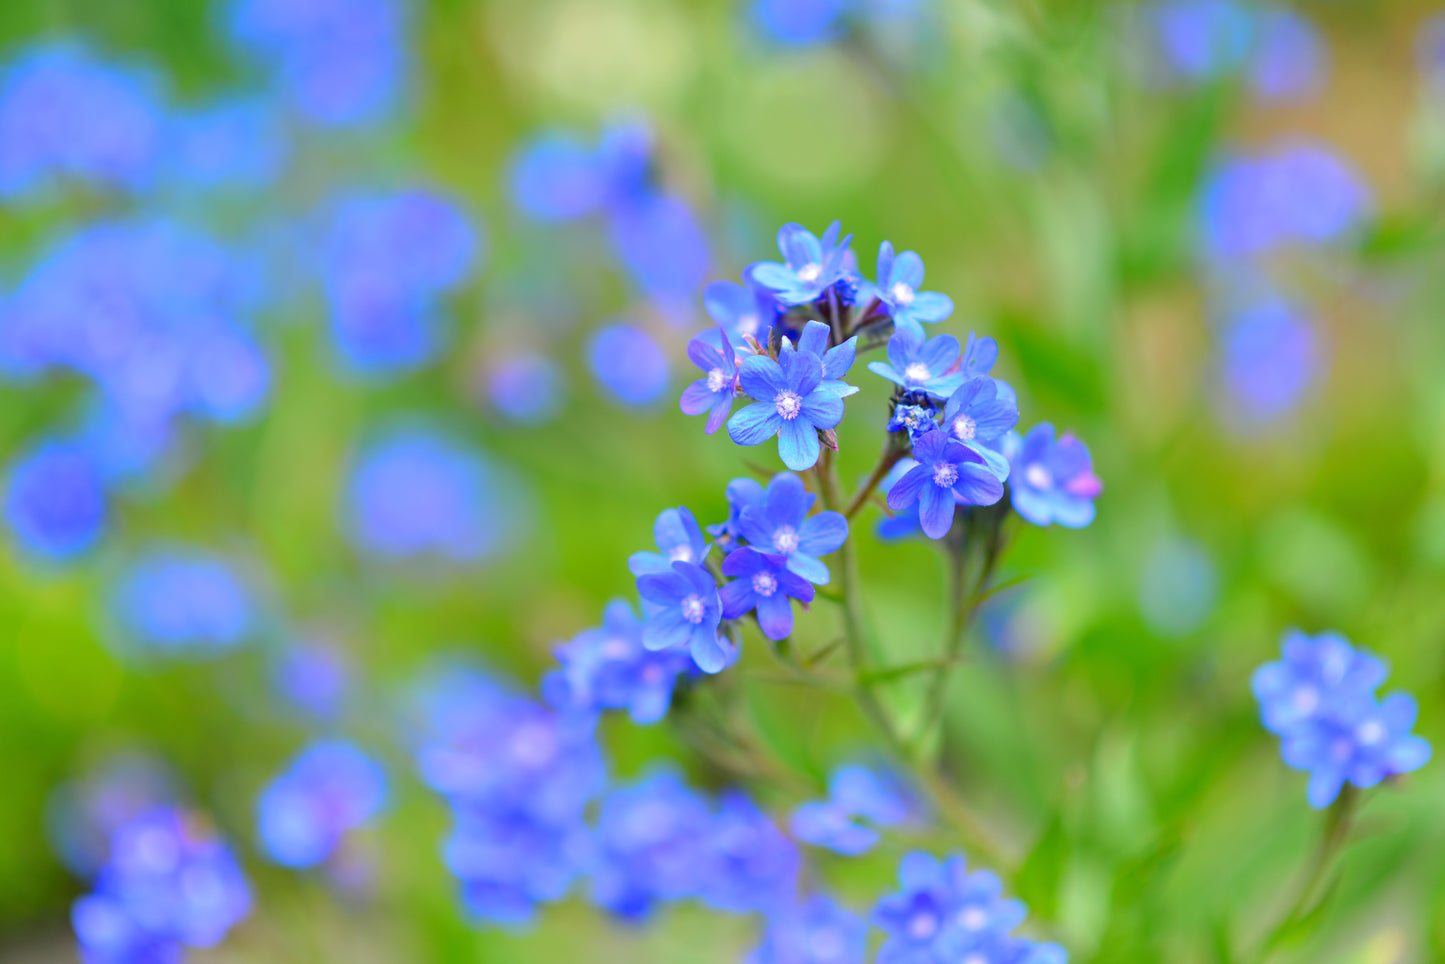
(977, 484)
(775, 616)
(754, 424)
(697, 398)
(823, 533)
(761, 377)
(907, 490)
(936, 510)
(798, 445)
(666, 629)
(809, 567)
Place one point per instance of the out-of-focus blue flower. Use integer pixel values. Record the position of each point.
(815, 932)
(55, 501)
(1271, 356)
(686, 614)
(83, 813)
(810, 265)
(609, 668)
(659, 241)
(1280, 51)
(763, 582)
(798, 23)
(313, 677)
(328, 790)
(123, 444)
(980, 412)
(651, 846)
(1178, 587)
(917, 363)
(180, 602)
(1317, 674)
(740, 494)
(898, 281)
(1053, 481)
(419, 492)
(948, 473)
(338, 62)
(66, 116)
(1430, 51)
(679, 539)
(526, 388)
(555, 178)
(854, 792)
(1202, 39)
(791, 402)
(508, 861)
(715, 391)
(234, 144)
(779, 524)
(752, 865)
(170, 882)
(628, 363)
(388, 260)
(1290, 58)
(745, 310)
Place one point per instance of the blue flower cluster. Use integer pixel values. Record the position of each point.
(170, 883)
(330, 789)
(855, 793)
(1320, 700)
(1280, 53)
(181, 602)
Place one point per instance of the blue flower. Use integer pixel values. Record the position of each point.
(751, 864)
(715, 391)
(741, 494)
(629, 364)
(791, 402)
(508, 860)
(1202, 39)
(237, 144)
(898, 281)
(742, 310)
(811, 265)
(651, 840)
(184, 603)
(83, 813)
(916, 420)
(763, 582)
(815, 932)
(945, 469)
(679, 539)
(55, 501)
(1271, 357)
(798, 23)
(837, 361)
(904, 522)
(526, 388)
(1053, 481)
(328, 790)
(610, 669)
(659, 241)
(314, 678)
(919, 364)
(944, 913)
(555, 178)
(687, 614)
(1316, 673)
(979, 412)
(853, 791)
(1290, 57)
(779, 524)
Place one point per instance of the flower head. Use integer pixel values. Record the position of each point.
(948, 473)
(183, 602)
(854, 792)
(780, 524)
(1053, 481)
(1316, 673)
(741, 495)
(980, 411)
(898, 281)
(628, 363)
(917, 363)
(817, 931)
(763, 582)
(752, 865)
(679, 539)
(55, 501)
(686, 616)
(651, 840)
(610, 668)
(715, 391)
(811, 265)
(792, 402)
(331, 788)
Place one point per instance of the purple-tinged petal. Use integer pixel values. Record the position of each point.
(936, 510)
(823, 533)
(775, 616)
(721, 409)
(798, 444)
(977, 484)
(762, 378)
(907, 490)
(698, 398)
(809, 567)
(738, 597)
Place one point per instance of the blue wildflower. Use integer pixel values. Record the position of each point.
(817, 931)
(628, 363)
(945, 469)
(1316, 673)
(1289, 60)
(1270, 358)
(798, 23)
(55, 501)
(1053, 481)
(1203, 39)
(330, 789)
(916, 420)
(791, 402)
(555, 178)
(715, 391)
(314, 678)
(763, 582)
(744, 311)
(659, 241)
(811, 265)
(679, 539)
(904, 522)
(780, 524)
(741, 494)
(686, 614)
(183, 603)
(526, 388)
(854, 792)
(651, 839)
(609, 668)
(235, 144)
(508, 861)
(837, 361)
(83, 813)
(920, 364)
(751, 864)
(898, 281)
(980, 411)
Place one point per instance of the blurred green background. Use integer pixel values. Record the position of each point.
(1146, 813)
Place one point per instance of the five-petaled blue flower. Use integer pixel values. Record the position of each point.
(609, 668)
(917, 363)
(980, 411)
(713, 393)
(816, 932)
(1316, 673)
(679, 539)
(812, 264)
(762, 581)
(779, 524)
(687, 615)
(836, 360)
(945, 468)
(1053, 481)
(854, 791)
(898, 281)
(792, 402)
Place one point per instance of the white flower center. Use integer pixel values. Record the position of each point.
(902, 295)
(918, 372)
(748, 323)
(1370, 733)
(682, 553)
(785, 539)
(716, 379)
(945, 474)
(693, 608)
(809, 273)
(964, 428)
(973, 918)
(922, 927)
(789, 404)
(765, 584)
(1038, 477)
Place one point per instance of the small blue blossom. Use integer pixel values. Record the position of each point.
(715, 391)
(55, 501)
(904, 522)
(742, 310)
(945, 469)
(330, 789)
(609, 668)
(314, 678)
(526, 388)
(659, 241)
(628, 363)
(679, 539)
(779, 524)
(817, 931)
(556, 178)
(763, 582)
(233, 144)
(752, 865)
(916, 420)
(898, 281)
(508, 861)
(1316, 673)
(979, 412)
(791, 402)
(1271, 357)
(83, 813)
(1202, 39)
(920, 364)
(180, 602)
(686, 615)
(854, 791)
(1053, 481)
(798, 23)
(741, 494)
(1290, 58)
(811, 265)
(651, 840)
(837, 361)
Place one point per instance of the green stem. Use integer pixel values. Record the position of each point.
(1339, 821)
(886, 460)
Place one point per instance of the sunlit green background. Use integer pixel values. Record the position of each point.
(1146, 814)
